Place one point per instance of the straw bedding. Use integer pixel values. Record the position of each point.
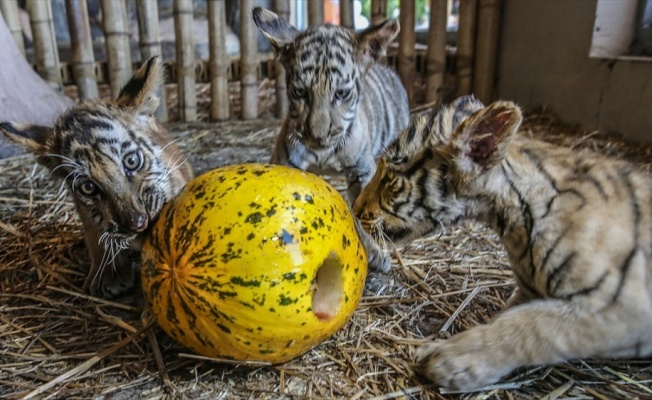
(56, 342)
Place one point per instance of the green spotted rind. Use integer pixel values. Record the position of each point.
(229, 266)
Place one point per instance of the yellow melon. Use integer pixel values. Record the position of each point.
(254, 262)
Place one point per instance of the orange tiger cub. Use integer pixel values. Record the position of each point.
(120, 166)
(577, 228)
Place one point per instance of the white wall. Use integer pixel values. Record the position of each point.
(544, 60)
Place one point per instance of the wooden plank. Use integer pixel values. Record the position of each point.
(219, 60)
(116, 37)
(81, 43)
(282, 8)
(185, 46)
(248, 62)
(149, 42)
(436, 53)
(46, 53)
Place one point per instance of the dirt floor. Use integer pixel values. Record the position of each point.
(56, 342)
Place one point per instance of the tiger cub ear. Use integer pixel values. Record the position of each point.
(141, 92)
(373, 41)
(31, 137)
(481, 140)
(34, 138)
(278, 31)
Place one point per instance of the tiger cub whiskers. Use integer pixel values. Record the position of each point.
(119, 165)
(576, 226)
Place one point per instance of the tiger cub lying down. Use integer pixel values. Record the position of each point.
(119, 165)
(577, 228)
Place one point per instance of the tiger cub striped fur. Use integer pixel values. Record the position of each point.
(119, 165)
(344, 106)
(577, 228)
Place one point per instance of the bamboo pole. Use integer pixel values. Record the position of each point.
(219, 62)
(46, 53)
(406, 51)
(378, 11)
(116, 35)
(282, 8)
(315, 13)
(150, 44)
(465, 45)
(486, 49)
(83, 59)
(248, 62)
(346, 13)
(10, 13)
(185, 46)
(436, 53)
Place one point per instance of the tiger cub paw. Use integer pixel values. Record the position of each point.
(114, 280)
(379, 260)
(457, 366)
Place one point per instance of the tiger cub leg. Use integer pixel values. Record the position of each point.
(536, 333)
(111, 273)
(376, 257)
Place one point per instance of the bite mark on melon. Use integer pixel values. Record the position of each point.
(328, 289)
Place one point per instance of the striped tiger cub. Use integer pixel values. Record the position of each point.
(577, 228)
(119, 165)
(344, 106)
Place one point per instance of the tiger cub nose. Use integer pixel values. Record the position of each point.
(139, 223)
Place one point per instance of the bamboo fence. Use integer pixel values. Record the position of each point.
(248, 62)
(45, 48)
(219, 61)
(82, 56)
(185, 46)
(467, 66)
(149, 42)
(283, 10)
(9, 10)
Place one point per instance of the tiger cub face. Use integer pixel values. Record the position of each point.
(119, 165)
(410, 195)
(344, 107)
(576, 227)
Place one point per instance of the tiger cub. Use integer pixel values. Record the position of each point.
(119, 165)
(577, 228)
(344, 106)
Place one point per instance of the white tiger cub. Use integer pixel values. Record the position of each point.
(345, 107)
(577, 228)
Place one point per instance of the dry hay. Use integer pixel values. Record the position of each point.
(56, 342)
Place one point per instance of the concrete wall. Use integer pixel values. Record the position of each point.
(544, 60)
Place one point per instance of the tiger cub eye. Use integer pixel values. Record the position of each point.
(132, 161)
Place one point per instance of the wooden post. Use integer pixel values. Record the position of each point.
(436, 53)
(346, 13)
(45, 43)
(10, 13)
(116, 36)
(83, 59)
(219, 62)
(248, 62)
(406, 51)
(150, 44)
(315, 12)
(465, 46)
(378, 11)
(486, 49)
(282, 8)
(185, 46)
